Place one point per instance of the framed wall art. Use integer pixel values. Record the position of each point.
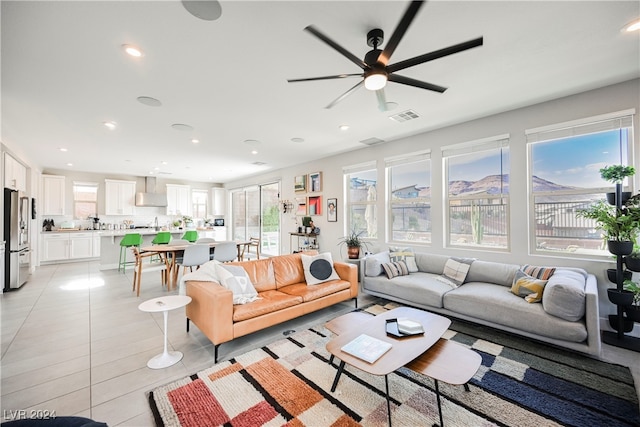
(315, 182)
(300, 183)
(301, 206)
(314, 205)
(332, 210)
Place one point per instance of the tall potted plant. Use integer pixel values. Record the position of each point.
(619, 226)
(633, 310)
(615, 174)
(354, 242)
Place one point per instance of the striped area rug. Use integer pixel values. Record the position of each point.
(520, 383)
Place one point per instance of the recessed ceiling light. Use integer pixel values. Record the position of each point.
(181, 126)
(132, 50)
(64, 150)
(298, 140)
(254, 152)
(208, 10)
(150, 172)
(343, 127)
(164, 163)
(147, 100)
(195, 141)
(69, 164)
(110, 125)
(632, 26)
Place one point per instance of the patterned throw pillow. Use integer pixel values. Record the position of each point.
(237, 280)
(406, 255)
(318, 268)
(538, 272)
(455, 271)
(395, 269)
(528, 287)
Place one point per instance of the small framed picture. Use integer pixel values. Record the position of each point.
(300, 183)
(314, 205)
(332, 210)
(315, 182)
(301, 206)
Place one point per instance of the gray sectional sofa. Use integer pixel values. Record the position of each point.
(567, 316)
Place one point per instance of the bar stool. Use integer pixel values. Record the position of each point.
(190, 235)
(162, 238)
(129, 240)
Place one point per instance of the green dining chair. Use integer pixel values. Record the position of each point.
(129, 240)
(190, 235)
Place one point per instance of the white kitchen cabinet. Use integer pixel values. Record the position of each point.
(95, 249)
(218, 201)
(218, 233)
(15, 173)
(179, 200)
(80, 245)
(53, 195)
(120, 197)
(55, 247)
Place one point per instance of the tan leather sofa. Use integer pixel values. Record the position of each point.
(283, 292)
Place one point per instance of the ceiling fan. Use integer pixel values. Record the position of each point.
(375, 66)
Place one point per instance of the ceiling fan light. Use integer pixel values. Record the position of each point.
(375, 81)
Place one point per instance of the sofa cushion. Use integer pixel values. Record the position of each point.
(373, 263)
(431, 263)
(406, 255)
(269, 302)
(492, 272)
(395, 269)
(318, 268)
(528, 287)
(260, 273)
(564, 295)
(496, 304)
(288, 269)
(420, 288)
(236, 279)
(309, 293)
(543, 273)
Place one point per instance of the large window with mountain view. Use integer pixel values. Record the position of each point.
(477, 193)
(564, 171)
(361, 183)
(409, 187)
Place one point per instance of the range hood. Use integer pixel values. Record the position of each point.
(150, 198)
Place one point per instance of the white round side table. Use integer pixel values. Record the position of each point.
(164, 304)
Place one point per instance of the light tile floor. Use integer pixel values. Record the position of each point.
(73, 341)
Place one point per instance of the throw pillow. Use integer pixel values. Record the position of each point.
(528, 287)
(237, 280)
(538, 272)
(456, 269)
(318, 268)
(395, 269)
(406, 255)
(373, 263)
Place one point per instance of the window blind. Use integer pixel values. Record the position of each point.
(484, 144)
(620, 120)
(359, 167)
(407, 158)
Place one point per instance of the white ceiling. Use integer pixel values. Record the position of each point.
(64, 74)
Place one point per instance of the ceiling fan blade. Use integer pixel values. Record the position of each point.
(337, 76)
(434, 55)
(416, 83)
(398, 33)
(382, 100)
(344, 95)
(359, 62)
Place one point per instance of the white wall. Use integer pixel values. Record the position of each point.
(609, 99)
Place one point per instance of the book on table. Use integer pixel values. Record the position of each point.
(366, 348)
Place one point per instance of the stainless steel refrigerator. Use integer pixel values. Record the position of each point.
(16, 234)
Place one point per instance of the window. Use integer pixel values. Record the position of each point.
(477, 193)
(85, 200)
(199, 203)
(564, 173)
(409, 187)
(361, 197)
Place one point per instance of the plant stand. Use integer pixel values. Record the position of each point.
(619, 339)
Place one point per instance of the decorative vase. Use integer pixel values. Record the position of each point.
(622, 297)
(617, 247)
(611, 197)
(627, 323)
(633, 312)
(632, 263)
(353, 252)
(612, 275)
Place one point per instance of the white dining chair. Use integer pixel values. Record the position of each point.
(194, 256)
(225, 251)
(207, 240)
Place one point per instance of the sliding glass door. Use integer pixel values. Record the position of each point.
(256, 214)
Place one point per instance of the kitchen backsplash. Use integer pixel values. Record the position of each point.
(138, 220)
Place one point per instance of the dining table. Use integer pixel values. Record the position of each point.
(172, 252)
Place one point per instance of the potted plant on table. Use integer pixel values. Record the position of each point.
(354, 242)
(615, 174)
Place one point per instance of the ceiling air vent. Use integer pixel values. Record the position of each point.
(404, 116)
(372, 141)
